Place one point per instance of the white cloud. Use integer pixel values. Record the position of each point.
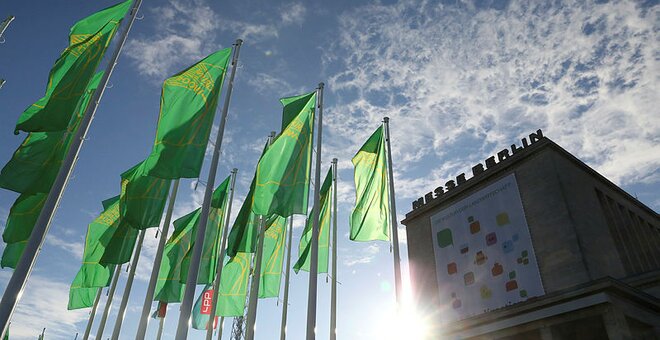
(365, 255)
(74, 248)
(461, 82)
(185, 32)
(44, 305)
(293, 14)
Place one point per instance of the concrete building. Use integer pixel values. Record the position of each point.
(535, 245)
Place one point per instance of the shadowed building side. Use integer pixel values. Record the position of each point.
(584, 263)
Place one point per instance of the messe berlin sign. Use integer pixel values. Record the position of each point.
(483, 252)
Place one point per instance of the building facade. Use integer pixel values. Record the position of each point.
(535, 245)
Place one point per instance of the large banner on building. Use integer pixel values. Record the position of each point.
(483, 252)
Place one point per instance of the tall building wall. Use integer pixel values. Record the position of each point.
(583, 227)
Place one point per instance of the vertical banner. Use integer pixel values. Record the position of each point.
(483, 252)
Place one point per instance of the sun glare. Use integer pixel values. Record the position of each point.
(405, 325)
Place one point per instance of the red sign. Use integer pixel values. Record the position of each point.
(207, 299)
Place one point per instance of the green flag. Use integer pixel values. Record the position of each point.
(187, 107)
(88, 40)
(12, 254)
(92, 274)
(210, 251)
(370, 218)
(324, 232)
(293, 106)
(282, 179)
(81, 297)
(202, 310)
(120, 247)
(22, 216)
(143, 198)
(100, 232)
(273, 257)
(168, 287)
(233, 285)
(20, 222)
(243, 234)
(35, 164)
(178, 250)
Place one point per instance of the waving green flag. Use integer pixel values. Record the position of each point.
(143, 198)
(35, 164)
(81, 297)
(177, 254)
(233, 285)
(211, 248)
(370, 218)
(20, 222)
(100, 232)
(92, 274)
(168, 287)
(282, 179)
(324, 232)
(22, 216)
(88, 40)
(271, 269)
(243, 234)
(187, 107)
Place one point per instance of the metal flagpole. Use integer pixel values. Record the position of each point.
(314, 259)
(151, 288)
(285, 303)
(19, 278)
(221, 324)
(161, 325)
(254, 285)
(5, 23)
(333, 294)
(127, 288)
(108, 303)
(92, 314)
(221, 257)
(256, 273)
(395, 232)
(191, 281)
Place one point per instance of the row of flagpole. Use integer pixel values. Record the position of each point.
(19, 278)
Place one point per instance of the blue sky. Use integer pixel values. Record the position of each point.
(459, 79)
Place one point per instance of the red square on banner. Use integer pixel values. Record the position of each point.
(207, 299)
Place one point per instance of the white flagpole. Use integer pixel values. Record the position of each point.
(333, 293)
(19, 278)
(127, 288)
(5, 23)
(88, 329)
(256, 273)
(285, 303)
(108, 303)
(395, 232)
(221, 256)
(221, 324)
(161, 325)
(151, 288)
(191, 281)
(314, 258)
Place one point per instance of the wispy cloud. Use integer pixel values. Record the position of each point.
(48, 299)
(293, 14)
(72, 247)
(461, 81)
(365, 255)
(185, 32)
